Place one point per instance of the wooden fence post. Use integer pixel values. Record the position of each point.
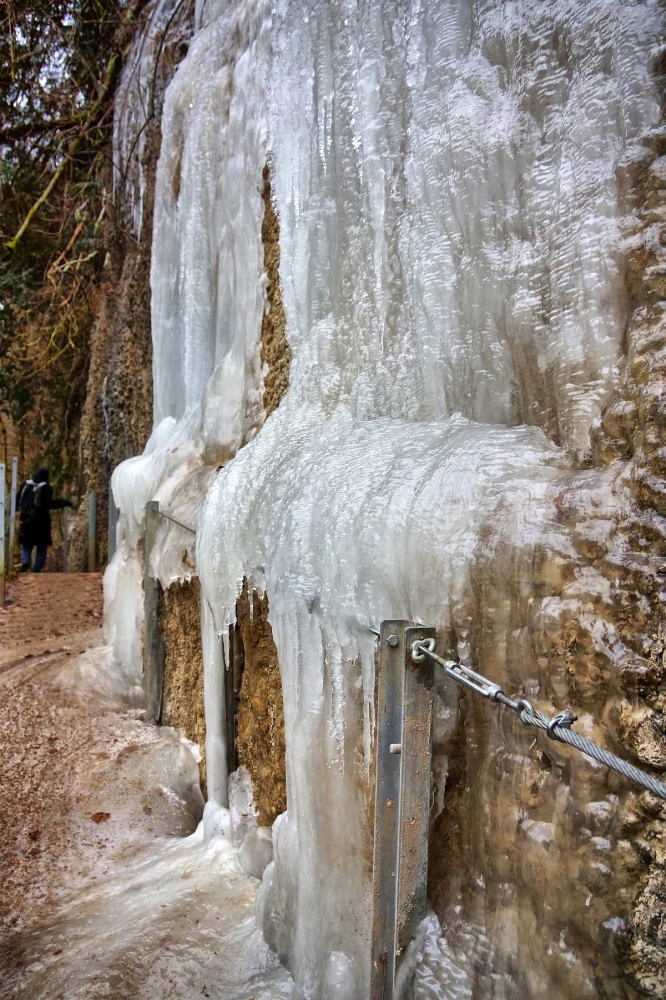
(65, 539)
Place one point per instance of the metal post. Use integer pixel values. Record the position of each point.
(416, 766)
(153, 642)
(402, 799)
(2, 532)
(92, 529)
(233, 672)
(12, 514)
(65, 539)
(387, 810)
(113, 521)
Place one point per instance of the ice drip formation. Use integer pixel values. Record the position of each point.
(469, 269)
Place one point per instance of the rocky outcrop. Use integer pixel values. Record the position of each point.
(275, 350)
(182, 691)
(118, 413)
(570, 860)
(260, 712)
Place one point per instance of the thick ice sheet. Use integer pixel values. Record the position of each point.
(207, 257)
(344, 524)
(447, 183)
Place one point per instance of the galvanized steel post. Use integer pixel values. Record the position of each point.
(2, 532)
(387, 809)
(92, 531)
(12, 514)
(153, 642)
(65, 539)
(416, 761)
(113, 521)
(402, 799)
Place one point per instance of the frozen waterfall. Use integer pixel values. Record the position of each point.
(448, 178)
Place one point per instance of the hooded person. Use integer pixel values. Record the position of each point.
(35, 502)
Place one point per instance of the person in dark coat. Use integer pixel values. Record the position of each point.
(35, 502)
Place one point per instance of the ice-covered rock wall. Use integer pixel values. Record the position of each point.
(206, 279)
(138, 99)
(207, 255)
(448, 181)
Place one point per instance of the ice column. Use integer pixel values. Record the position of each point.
(208, 290)
(207, 254)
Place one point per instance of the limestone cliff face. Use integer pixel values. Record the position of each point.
(569, 860)
(259, 717)
(634, 427)
(260, 713)
(118, 413)
(275, 350)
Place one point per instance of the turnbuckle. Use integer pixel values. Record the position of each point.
(458, 671)
(470, 679)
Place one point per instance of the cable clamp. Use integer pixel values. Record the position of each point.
(564, 720)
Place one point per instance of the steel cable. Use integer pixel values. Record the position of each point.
(556, 727)
(179, 523)
(532, 717)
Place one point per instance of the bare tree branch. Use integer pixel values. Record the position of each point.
(106, 86)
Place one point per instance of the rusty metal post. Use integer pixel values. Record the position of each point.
(416, 767)
(12, 514)
(153, 642)
(2, 531)
(387, 809)
(92, 531)
(402, 799)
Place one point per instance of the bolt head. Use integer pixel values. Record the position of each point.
(393, 640)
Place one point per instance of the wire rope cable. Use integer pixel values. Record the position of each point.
(557, 727)
(179, 523)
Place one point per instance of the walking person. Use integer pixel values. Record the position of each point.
(35, 503)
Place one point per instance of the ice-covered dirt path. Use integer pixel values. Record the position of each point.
(107, 887)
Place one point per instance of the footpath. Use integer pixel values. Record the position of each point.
(107, 886)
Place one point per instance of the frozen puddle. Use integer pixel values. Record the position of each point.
(179, 923)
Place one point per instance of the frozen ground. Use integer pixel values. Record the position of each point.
(177, 923)
(108, 890)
